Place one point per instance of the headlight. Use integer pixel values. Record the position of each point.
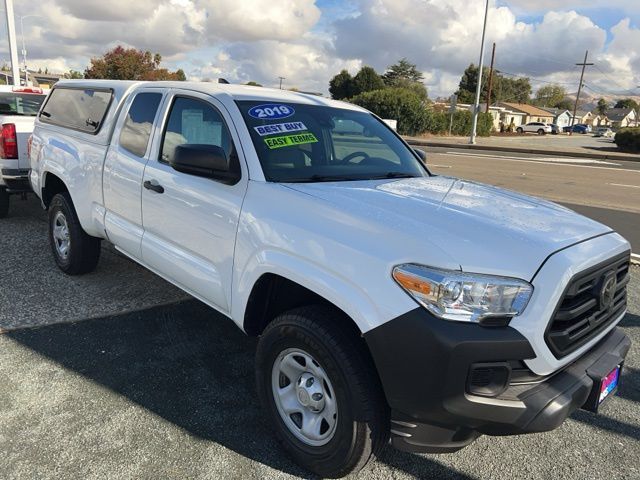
(465, 297)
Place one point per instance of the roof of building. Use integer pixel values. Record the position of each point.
(528, 109)
(556, 111)
(618, 114)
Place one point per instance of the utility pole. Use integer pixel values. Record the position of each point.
(13, 46)
(281, 79)
(575, 108)
(476, 105)
(493, 57)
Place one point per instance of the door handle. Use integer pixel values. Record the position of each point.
(153, 185)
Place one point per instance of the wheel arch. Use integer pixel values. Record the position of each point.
(273, 274)
(273, 295)
(52, 184)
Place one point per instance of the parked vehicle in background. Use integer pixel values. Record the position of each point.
(603, 132)
(18, 109)
(535, 127)
(390, 303)
(555, 129)
(578, 128)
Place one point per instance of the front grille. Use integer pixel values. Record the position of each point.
(585, 309)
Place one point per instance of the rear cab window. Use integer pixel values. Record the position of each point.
(20, 104)
(81, 109)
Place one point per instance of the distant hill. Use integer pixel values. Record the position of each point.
(589, 101)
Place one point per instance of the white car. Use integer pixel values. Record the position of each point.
(18, 109)
(389, 302)
(535, 127)
(604, 132)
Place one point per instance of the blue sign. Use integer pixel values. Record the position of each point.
(271, 111)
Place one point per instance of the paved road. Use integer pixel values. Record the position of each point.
(608, 191)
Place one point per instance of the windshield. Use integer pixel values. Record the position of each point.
(310, 143)
(26, 104)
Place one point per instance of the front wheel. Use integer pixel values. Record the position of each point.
(317, 384)
(519, 130)
(74, 251)
(4, 202)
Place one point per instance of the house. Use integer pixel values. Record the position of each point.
(623, 117)
(600, 120)
(528, 112)
(583, 117)
(561, 117)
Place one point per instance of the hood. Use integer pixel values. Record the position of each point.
(483, 228)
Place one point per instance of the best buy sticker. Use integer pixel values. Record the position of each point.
(280, 128)
(290, 140)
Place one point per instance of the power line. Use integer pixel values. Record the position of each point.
(630, 92)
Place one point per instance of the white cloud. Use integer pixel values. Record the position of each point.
(258, 40)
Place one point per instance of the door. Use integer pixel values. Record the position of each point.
(190, 222)
(123, 170)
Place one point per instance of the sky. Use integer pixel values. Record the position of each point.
(309, 41)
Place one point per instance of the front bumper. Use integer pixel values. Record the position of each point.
(425, 366)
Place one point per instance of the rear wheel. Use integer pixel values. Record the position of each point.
(4, 202)
(520, 130)
(541, 131)
(74, 251)
(317, 384)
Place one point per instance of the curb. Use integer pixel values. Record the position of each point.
(635, 259)
(535, 151)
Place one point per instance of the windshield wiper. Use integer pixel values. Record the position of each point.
(396, 175)
(322, 178)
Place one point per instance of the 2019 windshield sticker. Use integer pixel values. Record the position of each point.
(271, 111)
(280, 128)
(290, 140)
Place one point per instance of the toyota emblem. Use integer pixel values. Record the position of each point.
(608, 291)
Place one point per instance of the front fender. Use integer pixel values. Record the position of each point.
(333, 287)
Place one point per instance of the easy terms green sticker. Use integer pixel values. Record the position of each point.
(289, 140)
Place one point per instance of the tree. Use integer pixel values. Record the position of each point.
(550, 96)
(398, 104)
(253, 84)
(73, 74)
(402, 70)
(341, 86)
(602, 106)
(367, 80)
(504, 89)
(130, 64)
(627, 103)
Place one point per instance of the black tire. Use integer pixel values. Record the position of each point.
(541, 131)
(83, 250)
(362, 426)
(4, 202)
(519, 130)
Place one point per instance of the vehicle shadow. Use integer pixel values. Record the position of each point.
(630, 320)
(192, 367)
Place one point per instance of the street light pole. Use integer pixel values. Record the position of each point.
(476, 105)
(24, 47)
(13, 47)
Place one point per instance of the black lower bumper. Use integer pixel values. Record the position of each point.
(427, 365)
(16, 181)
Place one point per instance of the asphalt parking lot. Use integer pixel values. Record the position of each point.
(103, 384)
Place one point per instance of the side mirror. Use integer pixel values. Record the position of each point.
(209, 161)
(421, 154)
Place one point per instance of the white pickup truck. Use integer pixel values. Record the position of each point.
(390, 302)
(18, 109)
